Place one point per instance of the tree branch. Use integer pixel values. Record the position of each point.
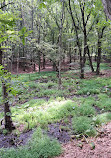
(92, 24)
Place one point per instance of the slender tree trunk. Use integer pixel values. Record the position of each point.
(39, 38)
(81, 67)
(39, 61)
(44, 61)
(100, 35)
(59, 73)
(98, 57)
(11, 65)
(23, 52)
(17, 66)
(60, 43)
(86, 48)
(90, 59)
(0, 57)
(60, 82)
(70, 56)
(34, 67)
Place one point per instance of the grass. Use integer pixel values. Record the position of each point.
(86, 110)
(104, 66)
(102, 118)
(104, 102)
(44, 85)
(83, 125)
(40, 102)
(40, 112)
(39, 146)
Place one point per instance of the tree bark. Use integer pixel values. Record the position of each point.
(107, 7)
(39, 58)
(70, 56)
(55, 67)
(0, 57)
(44, 62)
(90, 59)
(98, 57)
(8, 121)
(100, 35)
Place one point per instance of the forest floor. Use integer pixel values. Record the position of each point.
(96, 147)
(99, 147)
(39, 103)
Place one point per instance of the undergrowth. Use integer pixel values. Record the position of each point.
(39, 102)
(40, 146)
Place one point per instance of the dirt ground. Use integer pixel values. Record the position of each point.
(88, 75)
(99, 147)
(104, 73)
(11, 140)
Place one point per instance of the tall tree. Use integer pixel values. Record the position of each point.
(5, 23)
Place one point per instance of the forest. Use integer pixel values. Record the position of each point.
(55, 78)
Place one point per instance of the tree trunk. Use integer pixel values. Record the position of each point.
(98, 57)
(44, 61)
(8, 121)
(78, 43)
(34, 67)
(60, 42)
(107, 7)
(90, 59)
(70, 56)
(17, 64)
(55, 68)
(0, 57)
(81, 68)
(39, 61)
(100, 35)
(60, 82)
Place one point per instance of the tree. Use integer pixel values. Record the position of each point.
(101, 25)
(5, 78)
(80, 15)
(6, 22)
(77, 41)
(107, 7)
